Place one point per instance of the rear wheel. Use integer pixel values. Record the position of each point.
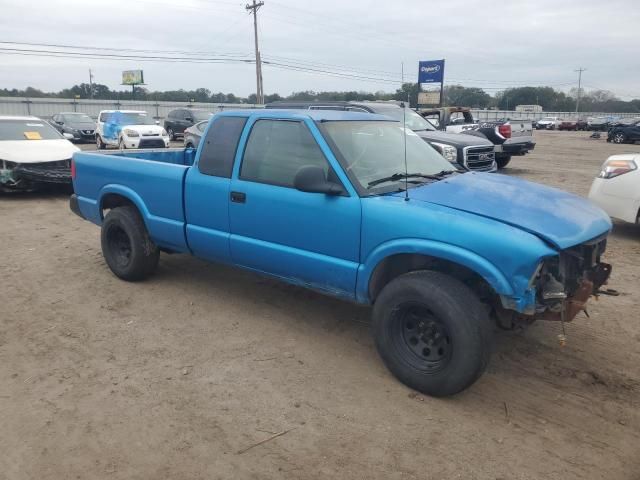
(432, 332)
(619, 137)
(126, 245)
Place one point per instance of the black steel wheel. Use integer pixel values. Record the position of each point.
(432, 332)
(126, 245)
(423, 340)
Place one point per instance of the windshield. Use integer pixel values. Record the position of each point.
(373, 150)
(27, 130)
(199, 115)
(77, 118)
(131, 118)
(414, 121)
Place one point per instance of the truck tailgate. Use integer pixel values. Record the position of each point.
(155, 187)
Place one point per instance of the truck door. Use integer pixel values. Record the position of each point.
(308, 238)
(206, 197)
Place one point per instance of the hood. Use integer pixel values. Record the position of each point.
(144, 129)
(560, 218)
(454, 139)
(34, 151)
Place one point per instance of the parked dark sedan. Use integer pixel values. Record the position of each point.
(192, 135)
(625, 132)
(80, 125)
(180, 119)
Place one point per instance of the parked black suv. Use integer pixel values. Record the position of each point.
(467, 151)
(180, 119)
(80, 125)
(625, 132)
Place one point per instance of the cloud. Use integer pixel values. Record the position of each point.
(487, 43)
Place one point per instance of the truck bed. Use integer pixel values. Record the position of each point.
(157, 176)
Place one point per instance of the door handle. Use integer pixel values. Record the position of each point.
(238, 197)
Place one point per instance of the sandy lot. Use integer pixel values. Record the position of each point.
(174, 377)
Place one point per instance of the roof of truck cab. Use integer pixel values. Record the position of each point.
(316, 115)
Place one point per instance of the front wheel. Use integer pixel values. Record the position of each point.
(432, 332)
(99, 143)
(126, 245)
(619, 137)
(171, 133)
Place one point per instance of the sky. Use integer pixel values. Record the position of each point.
(347, 45)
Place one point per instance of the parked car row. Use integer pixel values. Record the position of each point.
(82, 128)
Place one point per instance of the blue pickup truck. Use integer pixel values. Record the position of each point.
(355, 206)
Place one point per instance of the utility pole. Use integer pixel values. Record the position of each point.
(90, 84)
(580, 70)
(259, 90)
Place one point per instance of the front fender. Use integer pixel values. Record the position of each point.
(473, 261)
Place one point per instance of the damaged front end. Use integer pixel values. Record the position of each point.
(563, 285)
(28, 176)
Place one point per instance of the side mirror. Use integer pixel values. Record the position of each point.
(312, 179)
(68, 136)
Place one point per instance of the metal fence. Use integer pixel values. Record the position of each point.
(502, 114)
(47, 107)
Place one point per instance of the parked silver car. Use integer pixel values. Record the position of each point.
(193, 134)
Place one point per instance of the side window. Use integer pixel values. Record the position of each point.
(220, 146)
(275, 151)
(103, 117)
(356, 109)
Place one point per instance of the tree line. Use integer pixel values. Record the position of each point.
(547, 97)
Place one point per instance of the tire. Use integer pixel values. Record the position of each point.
(448, 316)
(503, 161)
(99, 143)
(189, 145)
(122, 145)
(619, 137)
(126, 246)
(172, 134)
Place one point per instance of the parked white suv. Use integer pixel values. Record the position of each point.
(129, 129)
(548, 123)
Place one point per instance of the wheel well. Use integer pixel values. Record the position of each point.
(113, 200)
(396, 265)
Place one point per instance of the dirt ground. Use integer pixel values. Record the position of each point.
(176, 377)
